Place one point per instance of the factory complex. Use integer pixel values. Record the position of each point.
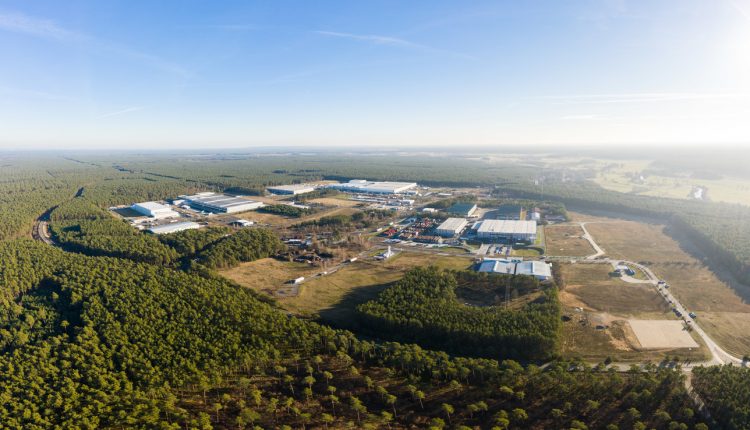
(451, 227)
(506, 230)
(538, 269)
(154, 210)
(220, 203)
(371, 187)
(463, 209)
(292, 190)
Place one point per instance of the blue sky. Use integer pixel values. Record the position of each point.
(175, 74)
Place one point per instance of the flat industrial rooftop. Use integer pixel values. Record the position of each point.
(662, 334)
(219, 200)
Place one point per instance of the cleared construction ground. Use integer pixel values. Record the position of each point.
(566, 240)
(662, 334)
(722, 312)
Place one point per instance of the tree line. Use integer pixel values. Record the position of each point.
(423, 308)
(726, 392)
(100, 342)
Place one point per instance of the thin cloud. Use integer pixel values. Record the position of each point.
(389, 41)
(36, 94)
(638, 97)
(373, 38)
(121, 112)
(225, 27)
(20, 23)
(47, 29)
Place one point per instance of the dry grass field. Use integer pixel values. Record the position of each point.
(334, 296)
(591, 286)
(336, 202)
(692, 282)
(278, 220)
(581, 339)
(729, 329)
(566, 240)
(636, 241)
(609, 302)
(268, 274)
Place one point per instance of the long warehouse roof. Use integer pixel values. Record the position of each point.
(502, 226)
(292, 187)
(453, 224)
(218, 200)
(152, 206)
(374, 186)
(174, 227)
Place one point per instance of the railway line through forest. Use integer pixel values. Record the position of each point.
(40, 229)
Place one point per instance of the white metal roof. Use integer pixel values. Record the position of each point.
(218, 200)
(496, 266)
(453, 224)
(375, 187)
(534, 268)
(174, 227)
(502, 226)
(293, 187)
(152, 206)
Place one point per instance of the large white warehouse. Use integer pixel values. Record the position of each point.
(220, 203)
(155, 210)
(451, 227)
(371, 187)
(507, 230)
(174, 227)
(293, 189)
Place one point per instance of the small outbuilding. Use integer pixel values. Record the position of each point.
(241, 223)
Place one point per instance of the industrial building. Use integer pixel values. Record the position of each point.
(506, 230)
(155, 210)
(503, 266)
(220, 203)
(371, 187)
(463, 209)
(173, 227)
(510, 212)
(241, 223)
(451, 227)
(538, 269)
(292, 190)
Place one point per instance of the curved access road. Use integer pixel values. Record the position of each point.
(719, 355)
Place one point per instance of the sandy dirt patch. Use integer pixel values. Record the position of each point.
(659, 334)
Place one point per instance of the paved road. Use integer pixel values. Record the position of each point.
(718, 355)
